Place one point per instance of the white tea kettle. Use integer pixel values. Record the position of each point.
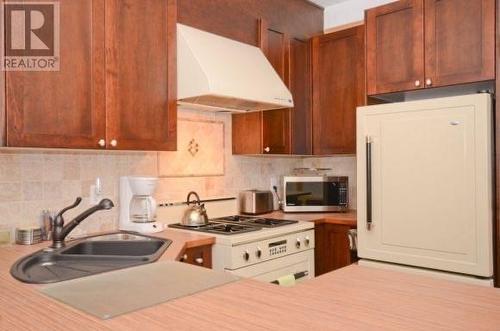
(195, 214)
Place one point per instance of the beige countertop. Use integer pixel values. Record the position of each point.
(353, 298)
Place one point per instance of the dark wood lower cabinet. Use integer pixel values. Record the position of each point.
(200, 256)
(332, 248)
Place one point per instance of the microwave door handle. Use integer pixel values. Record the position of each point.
(368, 182)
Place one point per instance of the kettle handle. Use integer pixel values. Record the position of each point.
(196, 196)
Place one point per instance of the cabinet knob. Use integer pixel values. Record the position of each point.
(267, 149)
(102, 142)
(184, 257)
(199, 260)
(113, 143)
(417, 83)
(428, 82)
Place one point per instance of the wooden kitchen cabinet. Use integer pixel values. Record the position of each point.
(280, 131)
(459, 41)
(116, 87)
(141, 74)
(64, 108)
(416, 44)
(395, 47)
(276, 123)
(332, 249)
(301, 89)
(339, 87)
(200, 256)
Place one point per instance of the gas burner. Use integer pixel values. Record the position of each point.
(254, 221)
(218, 228)
(234, 219)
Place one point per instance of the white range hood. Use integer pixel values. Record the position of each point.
(220, 74)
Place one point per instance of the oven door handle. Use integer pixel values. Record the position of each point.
(368, 183)
(297, 276)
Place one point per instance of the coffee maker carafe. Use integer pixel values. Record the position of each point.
(137, 205)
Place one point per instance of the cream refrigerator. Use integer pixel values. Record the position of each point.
(425, 188)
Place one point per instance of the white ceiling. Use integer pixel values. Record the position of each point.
(326, 3)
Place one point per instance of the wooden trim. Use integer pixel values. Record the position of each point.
(344, 27)
(496, 224)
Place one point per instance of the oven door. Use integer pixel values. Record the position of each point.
(300, 263)
(315, 194)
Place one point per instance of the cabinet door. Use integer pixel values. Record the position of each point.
(395, 47)
(141, 74)
(459, 41)
(332, 249)
(300, 86)
(63, 108)
(276, 123)
(339, 87)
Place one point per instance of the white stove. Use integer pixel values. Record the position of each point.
(255, 247)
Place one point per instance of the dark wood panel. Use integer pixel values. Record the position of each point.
(247, 133)
(332, 250)
(237, 19)
(395, 47)
(301, 89)
(64, 108)
(276, 123)
(459, 41)
(141, 74)
(496, 223)
(339, 87)
(199, 256)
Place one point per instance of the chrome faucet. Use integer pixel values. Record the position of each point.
(59, 231)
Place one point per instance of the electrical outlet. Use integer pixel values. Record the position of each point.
(5, 237)
(95, 192)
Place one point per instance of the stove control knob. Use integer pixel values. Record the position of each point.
(297, 244)
(258, 253)
(246, 256)
(307, 241)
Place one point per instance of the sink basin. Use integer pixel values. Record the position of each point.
(89, 256)
(115, 248)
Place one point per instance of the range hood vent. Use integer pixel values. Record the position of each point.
(220, 74)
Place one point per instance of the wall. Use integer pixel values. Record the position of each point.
(349, 11)
(34, 180)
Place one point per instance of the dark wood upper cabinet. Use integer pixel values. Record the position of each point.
(339, 88)
(301, 88)
(415, 44)
(116, 87)
(63, 109)
(276, 123)
(280, 131)
(459, 41)
(141, 74)
(395, 47)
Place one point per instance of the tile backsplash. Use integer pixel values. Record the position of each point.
(34, 180)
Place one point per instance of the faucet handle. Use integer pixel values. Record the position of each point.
(75, 204)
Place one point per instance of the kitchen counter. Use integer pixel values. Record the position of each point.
(354, 297)
(347, 218)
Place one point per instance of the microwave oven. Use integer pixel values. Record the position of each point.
(315, 193)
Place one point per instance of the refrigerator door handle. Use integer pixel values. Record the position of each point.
(368, 182)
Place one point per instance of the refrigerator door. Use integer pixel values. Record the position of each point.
(425, 184)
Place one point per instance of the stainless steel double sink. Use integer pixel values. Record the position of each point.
(89, 256)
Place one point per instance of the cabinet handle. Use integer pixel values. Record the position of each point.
(267, 149)
(199, 260)
(428, 82)
(417, 83)
(113, 143)
(368, 182)
(184, 257)
(102, 142)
